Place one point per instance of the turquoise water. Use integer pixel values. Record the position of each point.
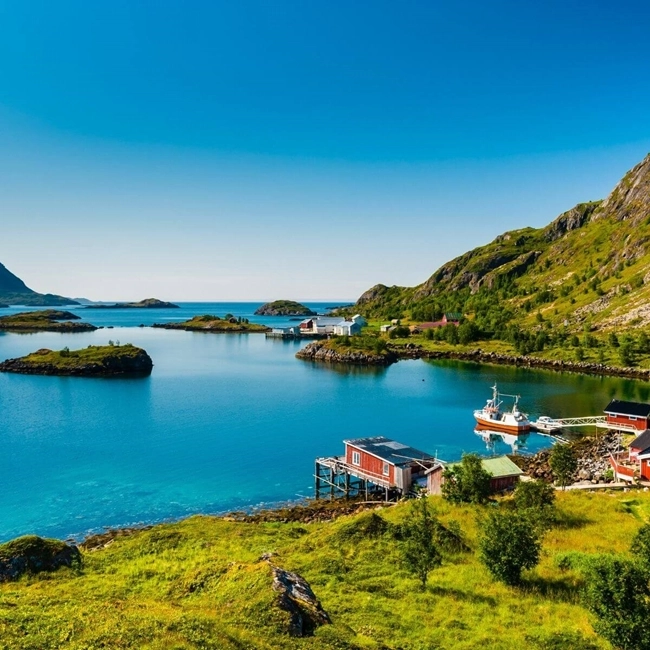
(229, 421)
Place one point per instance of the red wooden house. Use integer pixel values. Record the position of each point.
(637, 463)
(628, 415)
(385, 462)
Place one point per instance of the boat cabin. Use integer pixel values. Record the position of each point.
(386, 462)
(628, 415)
(505, 474)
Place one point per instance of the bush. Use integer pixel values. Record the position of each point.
(618, 595)
(564, 464)
(467, 481)
(508, 544)
(641, 545)
(419, 549)
(536, 499)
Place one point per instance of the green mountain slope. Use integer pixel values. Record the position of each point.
(13, 291)
(589, 269)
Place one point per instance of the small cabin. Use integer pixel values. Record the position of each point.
(387, 462)
(350, 327)
(628, 415)
(505, 474)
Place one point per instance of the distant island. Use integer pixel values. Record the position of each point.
(284, 308)
(4, 306)
(93, 361)
(209, 323)
(49, 320)
(13, 291)
(147, 303)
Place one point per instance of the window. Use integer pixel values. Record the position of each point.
(386, 469)
(356, 458)
(632, 417)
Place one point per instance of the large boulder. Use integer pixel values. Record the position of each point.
(32, 554)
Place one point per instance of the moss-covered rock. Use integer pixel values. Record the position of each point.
(32, 554)
(93, 361)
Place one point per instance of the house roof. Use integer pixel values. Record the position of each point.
(498, 467)
(389, 450)
(620, 407)
(642, 442)
(453, 315)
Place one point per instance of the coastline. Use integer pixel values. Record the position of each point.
(496, 358)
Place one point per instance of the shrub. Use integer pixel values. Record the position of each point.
(564, 464)
(618, 595)
(641, 545)
(467, 481)
(508, 544)
(419, 549)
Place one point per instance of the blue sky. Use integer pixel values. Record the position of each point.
(257, 150)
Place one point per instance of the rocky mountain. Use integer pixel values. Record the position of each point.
(13, 291)
(590, 266)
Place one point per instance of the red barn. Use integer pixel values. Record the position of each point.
(628, 415)
(386, 462)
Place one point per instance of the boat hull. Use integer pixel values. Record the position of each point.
(495, 425)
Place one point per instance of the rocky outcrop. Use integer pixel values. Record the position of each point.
(570, 220)
(111, 361)
(13, 291)
(320, 351)
(296, 597)
(592, 455)
(34, 554)
(284, 308)
(210, 323)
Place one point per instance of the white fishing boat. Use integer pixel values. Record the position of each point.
(546, 424)
(493, 417)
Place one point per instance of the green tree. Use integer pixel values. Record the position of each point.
(617, 593)
(575, 341)
(467, 481)
(626, 355)
(601, 355)
(419, 550)
(428, 334)
(508, 544)
(467, 332)
(641, 545)
(451, 333)
(536, 499)
(65, 352)
(644, 343)
(580, 354)
(613, 340)
(564, 464)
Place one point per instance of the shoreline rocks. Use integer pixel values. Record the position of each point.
(584, 367)
(319, 351)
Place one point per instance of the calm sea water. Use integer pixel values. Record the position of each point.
(229, 421)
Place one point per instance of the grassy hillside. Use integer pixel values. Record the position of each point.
(201, 584)
(210, 323)
(589, 270)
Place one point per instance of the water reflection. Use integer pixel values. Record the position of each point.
(497, 442)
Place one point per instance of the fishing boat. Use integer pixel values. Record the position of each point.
(492, 417)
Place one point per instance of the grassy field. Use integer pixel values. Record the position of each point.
(200, 584)
(209, 323)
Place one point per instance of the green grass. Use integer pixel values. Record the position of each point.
(210, 323)
(93, 354)
(199, 584)
(43, 320)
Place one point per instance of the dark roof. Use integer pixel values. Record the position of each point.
(641, 442)
(628, 408)
(389, 450)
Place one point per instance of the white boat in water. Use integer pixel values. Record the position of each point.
(492, 417)
(546, 424)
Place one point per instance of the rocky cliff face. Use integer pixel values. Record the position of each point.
(34, 554)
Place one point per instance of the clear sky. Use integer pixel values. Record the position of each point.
(212, 150)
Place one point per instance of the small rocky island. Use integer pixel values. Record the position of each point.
(284, 308)
(93, 361)
(147, 303)
(48, 320)
(359, 350)
(210, 323)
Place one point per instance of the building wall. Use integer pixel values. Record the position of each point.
(434, 481)
(503, 483)
(370, 464)
(645, 469)
(640, 424)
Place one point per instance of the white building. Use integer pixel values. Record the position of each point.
(350, 327)
(319, 325)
